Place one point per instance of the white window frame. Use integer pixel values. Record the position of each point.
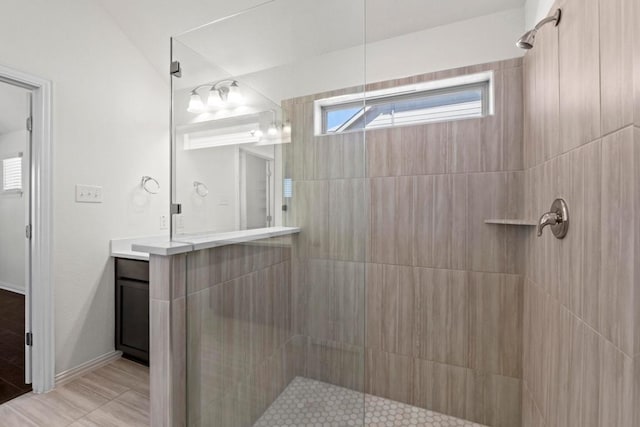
(12, 190)
(322, 106)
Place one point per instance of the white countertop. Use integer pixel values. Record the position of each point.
(140, 248)
(121, 248)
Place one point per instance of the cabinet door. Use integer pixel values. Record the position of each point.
(134, 318)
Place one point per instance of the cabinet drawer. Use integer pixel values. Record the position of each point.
(132, 269)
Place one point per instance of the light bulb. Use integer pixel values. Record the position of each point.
(286, 128)
(235, 95)
(214, 99)
(272, 131)
(258, 133)
(195, 103)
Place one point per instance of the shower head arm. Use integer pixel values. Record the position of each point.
(552, 18)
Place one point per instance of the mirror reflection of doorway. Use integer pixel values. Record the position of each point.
(255, 190)
(15, 141)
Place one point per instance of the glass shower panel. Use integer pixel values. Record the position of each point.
(275, 326)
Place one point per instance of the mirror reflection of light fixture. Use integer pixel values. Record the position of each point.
(273, 130)
(195, 103)
(221, 94)
(286, 128)
(201, 189)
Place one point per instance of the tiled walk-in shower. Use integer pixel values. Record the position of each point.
(410, 287)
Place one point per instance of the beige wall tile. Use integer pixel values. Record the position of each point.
(618, 220)
(579, 73)
(531, 416)
(497, 400)
(512, 118)
(336, 363)
(391, 231)
(616, 388)
(389, 375)
(444, 388)
(440, 221)
(442, 316)
(541, 99)
(590, 231)
(425, 148)
(616, 69)
(390, 308)
(495, 323)
(494, 248)
(476, 145)
(198, 271)
(311, 211)
(160, 277)
(335, 301)
(160, 361)
(348, 211)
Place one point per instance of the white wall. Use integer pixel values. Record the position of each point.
(110, 128)
(217, 168)
(12, 220)
(535, 10)
(475, 41)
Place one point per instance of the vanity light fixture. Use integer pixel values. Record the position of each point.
(195, 103)
(273, 130)
(286, 128)
(221, 94)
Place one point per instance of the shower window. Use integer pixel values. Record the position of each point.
(452, 99)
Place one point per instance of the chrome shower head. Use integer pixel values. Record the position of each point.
(528, 39)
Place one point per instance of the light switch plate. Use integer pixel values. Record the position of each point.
(88, 194)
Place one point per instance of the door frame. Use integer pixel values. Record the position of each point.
(41, 170)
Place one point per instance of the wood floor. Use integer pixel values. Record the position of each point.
(11, 346)
(116, 395)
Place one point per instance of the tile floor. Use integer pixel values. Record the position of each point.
(307, 402)
(116, 395)
(12, 346)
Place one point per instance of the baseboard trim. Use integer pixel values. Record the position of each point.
(11, 288)
(73, 373)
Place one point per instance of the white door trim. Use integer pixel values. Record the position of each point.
(42, 321)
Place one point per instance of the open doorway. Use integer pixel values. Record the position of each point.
(256, 187)
(15, 256)
(26, 182)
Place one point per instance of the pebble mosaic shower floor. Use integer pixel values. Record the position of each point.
(307, 402)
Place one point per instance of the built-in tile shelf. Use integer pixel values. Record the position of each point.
(521, 222)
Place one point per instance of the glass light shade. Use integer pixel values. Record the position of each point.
(214, 99)
(235, 95)
(258, 133)
(195, 103)
(286, 128)
(272, 131)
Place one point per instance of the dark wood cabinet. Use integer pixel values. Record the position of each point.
(132, 308)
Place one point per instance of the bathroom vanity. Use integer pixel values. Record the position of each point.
(131, 272)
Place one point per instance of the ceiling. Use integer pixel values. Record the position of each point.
(13, 108)
(150, 23)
